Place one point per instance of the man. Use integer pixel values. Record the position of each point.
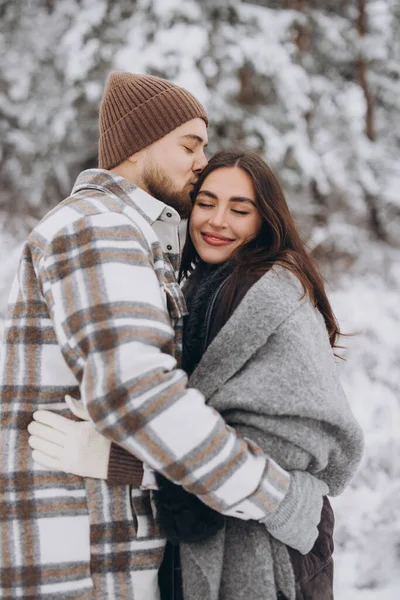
(95, 312)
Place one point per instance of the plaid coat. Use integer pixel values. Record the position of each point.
(95, 311)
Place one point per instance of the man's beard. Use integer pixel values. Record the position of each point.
(160, 186)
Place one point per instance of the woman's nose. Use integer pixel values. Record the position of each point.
(217, 220)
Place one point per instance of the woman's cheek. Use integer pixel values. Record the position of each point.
(191, 227)
(194, 225)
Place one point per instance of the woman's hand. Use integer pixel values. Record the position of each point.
(73, 447)
(295, 522)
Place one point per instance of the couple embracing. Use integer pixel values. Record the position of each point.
(169, 426)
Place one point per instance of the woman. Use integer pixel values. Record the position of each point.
(258, 343)
(241, 233)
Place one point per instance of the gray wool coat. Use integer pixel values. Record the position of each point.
(271, 373)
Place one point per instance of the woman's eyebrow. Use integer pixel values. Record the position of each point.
(208, 194)
(242, 199)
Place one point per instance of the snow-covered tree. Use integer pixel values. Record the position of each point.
(55, 56)
(315, 86)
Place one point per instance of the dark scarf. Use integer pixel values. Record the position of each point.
(200, 292)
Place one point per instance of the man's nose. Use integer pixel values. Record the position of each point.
(200, 163)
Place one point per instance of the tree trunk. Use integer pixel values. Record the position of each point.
(362, 23)
(370, 199)
(295, 4)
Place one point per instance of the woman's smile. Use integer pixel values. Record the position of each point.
(215, 239)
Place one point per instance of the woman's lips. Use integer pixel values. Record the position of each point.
(215, 239)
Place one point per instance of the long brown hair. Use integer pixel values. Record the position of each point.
(278, 242)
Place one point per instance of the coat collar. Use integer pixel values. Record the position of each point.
(110, 183)
(264, 308)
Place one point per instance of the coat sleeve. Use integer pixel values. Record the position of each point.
(114, 331)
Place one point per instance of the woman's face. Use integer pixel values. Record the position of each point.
(225, 215)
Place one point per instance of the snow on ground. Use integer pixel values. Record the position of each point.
(366, 301)
(10, 251)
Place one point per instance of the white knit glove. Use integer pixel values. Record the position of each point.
(69, 446)
(296, 519)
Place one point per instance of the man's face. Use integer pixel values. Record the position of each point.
(172, 165)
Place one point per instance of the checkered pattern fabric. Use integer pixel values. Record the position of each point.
(95, 311)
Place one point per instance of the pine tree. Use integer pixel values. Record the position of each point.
(55, 58)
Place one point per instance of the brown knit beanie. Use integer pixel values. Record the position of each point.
(137, 110)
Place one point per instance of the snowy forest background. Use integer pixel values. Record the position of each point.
(314, 84)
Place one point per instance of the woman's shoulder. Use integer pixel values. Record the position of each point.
(277, 290)
(268, 303)
(280, 278)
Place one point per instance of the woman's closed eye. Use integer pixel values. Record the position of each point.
(239, 212)
(204, 204)
(189, 150)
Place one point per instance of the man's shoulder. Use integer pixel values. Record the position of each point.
(87, 209)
